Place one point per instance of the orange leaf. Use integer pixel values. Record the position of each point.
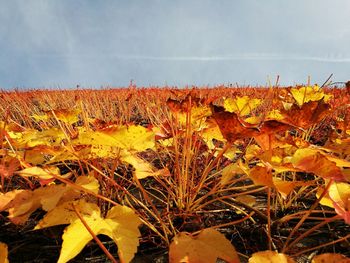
(231, 127)
(3, 253)
(310, 160)
(270, 257)
(330, 258)
(207, 247)
(261, 175)
(310, 113)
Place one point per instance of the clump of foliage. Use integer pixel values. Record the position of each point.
(183, 169)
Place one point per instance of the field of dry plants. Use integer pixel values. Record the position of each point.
(168, 175)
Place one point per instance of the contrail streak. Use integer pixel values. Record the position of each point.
(237, 57)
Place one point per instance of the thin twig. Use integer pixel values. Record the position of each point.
(98, 241)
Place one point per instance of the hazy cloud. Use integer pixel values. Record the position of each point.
(200, 42)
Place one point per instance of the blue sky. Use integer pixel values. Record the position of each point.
(66, 43)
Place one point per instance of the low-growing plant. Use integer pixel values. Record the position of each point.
(184, 164)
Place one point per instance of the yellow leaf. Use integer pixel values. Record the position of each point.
(210, 133)
(3, 253)
(305, 94)
(339, 193)
(32, 138)
(67, 116)
(252, 151)
(142, 168)
(330, 258)
(41, 173)
(104, 151)
(270, 257)
(206, 247)
(41, 117)
(49, 196)
(230, 153)
(22, 203)
(166, 142)
(242, 106)
(64, 154)
(76, 236)
(89, 183)
(65, 214)
(197, 116)
(325, 199)
(287, 105)
(253, 120)
(26, 202)
(124, 224)
(121, 224)
(126, 137)
(275, 115)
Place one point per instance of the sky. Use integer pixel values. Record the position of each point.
(94, 44)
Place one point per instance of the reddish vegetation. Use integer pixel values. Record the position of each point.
(267, 168)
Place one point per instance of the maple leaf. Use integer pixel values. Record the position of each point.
(310, 160)
(8, 166)
(206, 247)
(262, 175)
(142, 168)
(341, 146)
(25, 202)
(131, 137)
(270, 257)
(339, 193)
(305, 94)
(7, 197)
(242, 106)
(121, 225)
(286, 187)
(32, 137)
(187, 102)
(197, 117)
(308, 114)
(231, 127)
(3, 253)
(330, 258)
(64, 115)
(191, 110)
(41, 173)
(22, 203)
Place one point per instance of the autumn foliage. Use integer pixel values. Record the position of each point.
(188, 168)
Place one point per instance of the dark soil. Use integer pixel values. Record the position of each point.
(26, 245)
